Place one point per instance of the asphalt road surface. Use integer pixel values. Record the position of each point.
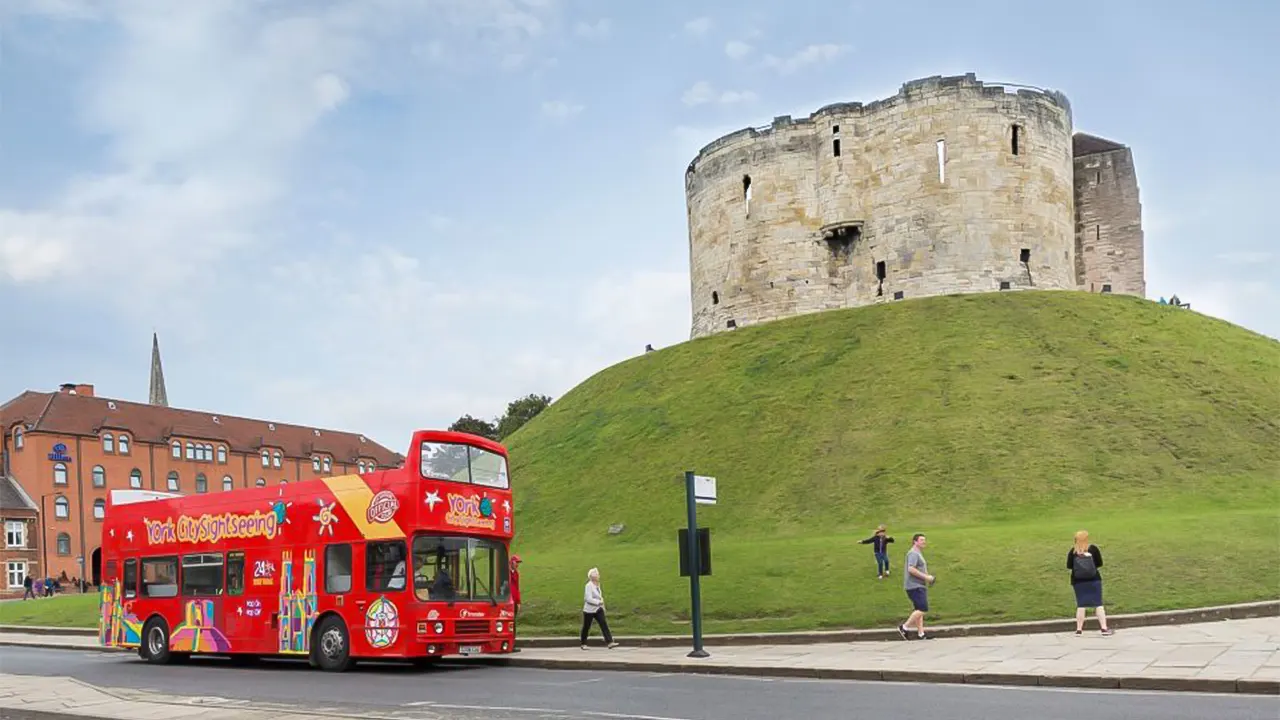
(477, 691)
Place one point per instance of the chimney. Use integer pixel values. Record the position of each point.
(77, 389)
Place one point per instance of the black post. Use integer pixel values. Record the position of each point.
(695, 568)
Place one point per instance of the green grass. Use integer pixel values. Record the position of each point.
(999, 424)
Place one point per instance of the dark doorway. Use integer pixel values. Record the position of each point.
(95, 561)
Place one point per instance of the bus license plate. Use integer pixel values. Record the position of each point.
(469, 649)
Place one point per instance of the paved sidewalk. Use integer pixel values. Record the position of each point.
(1226, 656)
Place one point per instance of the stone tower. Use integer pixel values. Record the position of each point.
(158, 394)
(951, 186)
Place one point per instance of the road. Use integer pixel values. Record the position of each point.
(477, 691)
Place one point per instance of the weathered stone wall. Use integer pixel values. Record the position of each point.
(1109, 237)
(780, 254)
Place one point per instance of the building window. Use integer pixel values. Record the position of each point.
(275, 458)
(18, 439)
(135, 479)
(99, 509)
(123, 443)
(222, 455)
(64, 544)
(315, 463)
(266, 459)
(228, 484)
(191, 451)
(360, 465)
(15, 571)
(108, 443)
(328, 464)
(208, 453)
(173, 484)
(260, 482)
(59, 474)
(61, 508)
(15, 534)
(177, 450)
(99, 476)
(284, 482)
(202, 483)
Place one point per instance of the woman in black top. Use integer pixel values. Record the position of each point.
(1083, 560)
(880, 546)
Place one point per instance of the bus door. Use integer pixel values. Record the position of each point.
(379, 623)
(200, 629)
(243, 608)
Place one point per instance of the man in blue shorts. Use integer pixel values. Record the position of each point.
(916, 581)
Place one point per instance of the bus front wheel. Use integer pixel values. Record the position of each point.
(333, 647)
(155, 642)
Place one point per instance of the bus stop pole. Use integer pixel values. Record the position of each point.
(695, 568)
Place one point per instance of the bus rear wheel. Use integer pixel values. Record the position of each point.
(155, 642)
(332, 648)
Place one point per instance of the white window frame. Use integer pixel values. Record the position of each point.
(108, 443)
(173, 481)
(99, 509)
(275, 458)
(61, 501)
(228, 483)
(222, 455)
(19, 438)
(57, 544)
(15, 528)
(60, 469)
(15, 568)
(122, 444)
(266, 458)
(177, 450)
(328, 464)
(135, 475)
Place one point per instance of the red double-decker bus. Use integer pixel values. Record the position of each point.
(408, 563)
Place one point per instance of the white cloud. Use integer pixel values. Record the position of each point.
(736, 49)
(596, 30)
(560, 110)
(811, 55)
(698, 26)
(703, 92)
(203, 108)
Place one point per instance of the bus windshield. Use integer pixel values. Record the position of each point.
(453, 568)
(464, 464)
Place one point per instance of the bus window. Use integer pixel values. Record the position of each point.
(337, 569)
(202, 575)
(385, 568)
(160, 577)
(437, 562)
(129, 585)
(235, 573)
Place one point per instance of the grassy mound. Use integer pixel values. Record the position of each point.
(999, 424)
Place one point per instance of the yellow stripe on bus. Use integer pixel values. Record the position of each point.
(354, 495)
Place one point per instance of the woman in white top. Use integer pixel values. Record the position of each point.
(593, 609)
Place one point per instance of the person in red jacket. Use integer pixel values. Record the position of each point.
(515, 582)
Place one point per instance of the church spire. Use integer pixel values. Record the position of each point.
(158, 394)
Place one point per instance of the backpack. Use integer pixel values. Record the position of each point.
(1082, 567)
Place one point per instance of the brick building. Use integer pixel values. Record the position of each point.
(63, 451)
(20, 553)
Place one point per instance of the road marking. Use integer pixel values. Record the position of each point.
(504, 708)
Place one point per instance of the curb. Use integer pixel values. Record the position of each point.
(1098, 682)
(1241, 611)
(1095, 682)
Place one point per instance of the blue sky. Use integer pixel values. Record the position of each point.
(378, 215)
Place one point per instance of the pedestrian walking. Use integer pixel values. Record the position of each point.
(1083, 560)
(879, 542)
(916, 581)
(593, 610)
(28, 589)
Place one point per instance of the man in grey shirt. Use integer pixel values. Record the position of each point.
(916, 581)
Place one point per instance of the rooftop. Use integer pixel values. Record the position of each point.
(82, 413)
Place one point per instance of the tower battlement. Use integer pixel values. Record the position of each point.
(950, 186)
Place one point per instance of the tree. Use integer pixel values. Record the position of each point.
(475, 426)
(520, 412)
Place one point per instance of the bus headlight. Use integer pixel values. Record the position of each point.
(439, 628)
(499, 626)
